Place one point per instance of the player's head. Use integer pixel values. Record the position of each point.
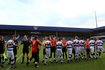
(45, 38)
(25, 37)
(76, 37)
(48, 38)
(59, 39)
(92, 38)
(82, 38)
(14, 37)
(63, 38)
(11, 37)
(54, 38)
(35, 37)
(1, 37)
(87, 39)
(69, 38)
(98, 38)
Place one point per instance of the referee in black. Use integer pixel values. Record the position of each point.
(26, 47)
(2, 49)
(15, 47)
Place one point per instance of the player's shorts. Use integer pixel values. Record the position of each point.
(53, 49)
(15, 52)
(64, 50)
(59, 52)
(73, 50)
(87, 50)
(92, 49)
(1, 51)
(25, 51)
(76, 50)
(44, 51)
(10, 54)
(70, 51)
(48, 51)
(100, 48)
(82, 50)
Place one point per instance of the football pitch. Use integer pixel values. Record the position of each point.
(92, 64)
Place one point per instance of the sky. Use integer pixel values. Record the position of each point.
(60, 13)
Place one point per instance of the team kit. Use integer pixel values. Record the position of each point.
(53, 49)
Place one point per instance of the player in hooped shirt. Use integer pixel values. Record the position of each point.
(47, 46)
(69, 45)
(82, 48)
(92, 47)
(99, 45)
(59, 52)
(10, 53)
(76, 47)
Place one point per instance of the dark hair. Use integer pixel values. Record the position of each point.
(48, 38)
(92, 38)
(76, 37)
(35, 37)
(59, 39)
(0, 36)
(11, 36)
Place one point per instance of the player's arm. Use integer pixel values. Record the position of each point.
(17, 45)
(62, 45)
(66, 45)
(39, 43)
(7, 44)
(4, 45)
(43, 44)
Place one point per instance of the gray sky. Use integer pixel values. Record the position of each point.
(63, 13)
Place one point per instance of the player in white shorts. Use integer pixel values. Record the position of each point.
(92, 46)
(69, 45)
(47, 46)
(10, 54)
(59, 52)
(76, 47)
(99, 45)
(82, 48)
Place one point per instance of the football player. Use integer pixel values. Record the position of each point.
(47, 46)
(45, 39)
(82, 48)
(35, 51)
(10, 53)
(64, 49)
(2, 49)
(15, 47)
(53, 47)
(87, 48)
(92, 47)
(99, 45)
(26, 47)
(76, 47)
(69, 45)
(59, 52)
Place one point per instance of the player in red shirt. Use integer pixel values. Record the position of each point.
(64, 49)
(53, 47)
(35, 52)
(87, 48)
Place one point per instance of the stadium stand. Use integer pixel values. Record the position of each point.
(42, 31)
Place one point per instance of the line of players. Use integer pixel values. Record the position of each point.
(80, 48)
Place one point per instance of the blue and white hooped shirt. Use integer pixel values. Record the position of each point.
(10, 45)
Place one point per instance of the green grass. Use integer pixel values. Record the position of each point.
(92, 64)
